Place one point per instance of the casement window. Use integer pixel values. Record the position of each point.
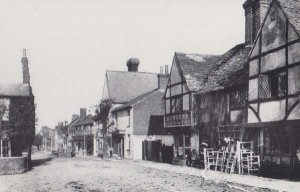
(272, 85)
(238, 98)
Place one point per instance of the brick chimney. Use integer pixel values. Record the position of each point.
(255, 11)
(25, 68)
(162, 80)
(82, 112)
(133, 64)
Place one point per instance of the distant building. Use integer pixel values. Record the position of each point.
(48, 135)
(17, 116)
(131, 127)
(123, 87)
(81, 134)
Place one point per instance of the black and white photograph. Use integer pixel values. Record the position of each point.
(150, 95)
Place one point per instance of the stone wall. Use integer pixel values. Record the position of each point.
(13, 165)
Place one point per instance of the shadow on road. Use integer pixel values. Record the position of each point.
(39, 162)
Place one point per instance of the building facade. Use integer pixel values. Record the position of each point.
(273, 93)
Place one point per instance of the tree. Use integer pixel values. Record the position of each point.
(102, 117)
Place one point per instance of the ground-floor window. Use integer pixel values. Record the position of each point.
(182, 145)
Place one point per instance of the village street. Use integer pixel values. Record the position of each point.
(94, 174)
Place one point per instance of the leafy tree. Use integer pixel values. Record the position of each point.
(102, 117)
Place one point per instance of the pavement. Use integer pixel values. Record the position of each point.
(250, 180)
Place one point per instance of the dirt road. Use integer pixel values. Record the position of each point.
(79, 174)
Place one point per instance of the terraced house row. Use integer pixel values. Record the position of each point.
(249, 93)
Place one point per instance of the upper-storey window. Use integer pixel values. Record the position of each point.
(273, 85)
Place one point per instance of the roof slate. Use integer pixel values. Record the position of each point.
(230, 70)
(124, 86)
(135, 100)
(87, 120)
(195, 68)
(292, 10)
(14, 90)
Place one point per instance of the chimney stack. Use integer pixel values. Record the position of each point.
(82, 112)
(166, 69)
(133, 64)
(255, 11)
(161, 70)
(25, 68)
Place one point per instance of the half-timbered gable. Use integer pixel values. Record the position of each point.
(188, 73)
(274, 69)
(273, 90)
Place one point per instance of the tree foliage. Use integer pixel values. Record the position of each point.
(102, 117)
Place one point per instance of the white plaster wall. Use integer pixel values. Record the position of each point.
(272, 111)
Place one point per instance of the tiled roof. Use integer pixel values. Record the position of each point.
(135, 100)
(292, 10)
(124, 86)
(87, 120)
(71, 126)
(230, 70)
(195, 68)
(16, 89)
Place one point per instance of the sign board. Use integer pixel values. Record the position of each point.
(178, 120)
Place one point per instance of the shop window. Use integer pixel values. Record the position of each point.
(277, 143)
(272, 85)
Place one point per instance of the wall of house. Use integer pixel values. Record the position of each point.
(276, 52)
(142, 110)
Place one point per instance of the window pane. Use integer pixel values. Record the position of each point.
(264, 86)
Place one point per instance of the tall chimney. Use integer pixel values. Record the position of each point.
(255, 11)
(82, 112)
(166, 69)
(133, 64)
(26, 76)
(161, 70)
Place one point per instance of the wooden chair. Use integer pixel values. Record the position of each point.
(220, 159)
(209, 159)
(230, 162)
(253, 162)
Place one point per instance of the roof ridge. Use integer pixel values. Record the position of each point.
(138, 72)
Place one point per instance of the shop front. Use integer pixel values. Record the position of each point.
(278, 144)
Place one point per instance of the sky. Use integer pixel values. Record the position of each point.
(70, 43)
